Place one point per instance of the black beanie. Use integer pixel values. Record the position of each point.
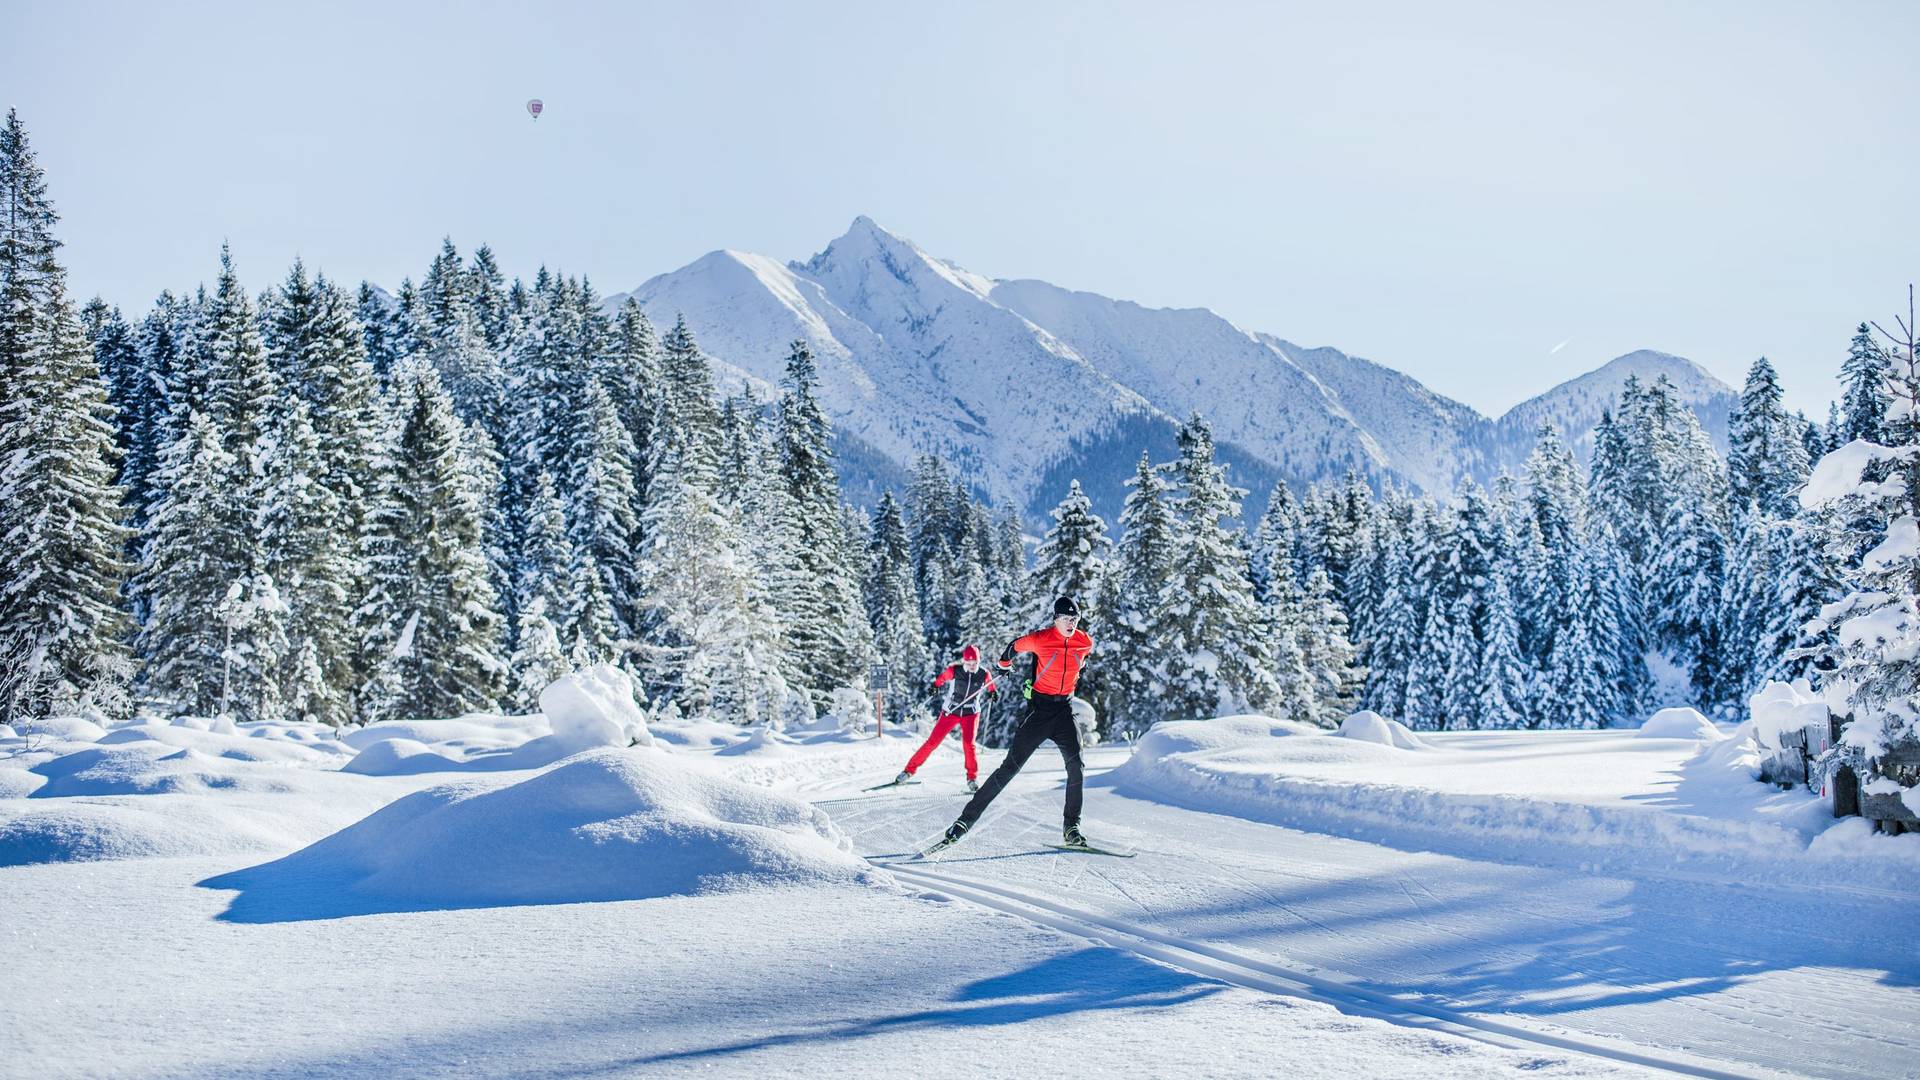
(1065, 606)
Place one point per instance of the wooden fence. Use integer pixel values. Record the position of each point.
(1793, 764)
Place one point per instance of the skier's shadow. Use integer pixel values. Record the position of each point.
(1086, 980)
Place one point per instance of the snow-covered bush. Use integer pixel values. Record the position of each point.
(595, 707)
(849, 709)
(1087, 721)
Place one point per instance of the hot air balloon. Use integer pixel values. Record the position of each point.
(533, 108)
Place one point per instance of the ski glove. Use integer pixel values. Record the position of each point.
(1006, 657)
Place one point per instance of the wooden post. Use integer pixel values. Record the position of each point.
(879, 711)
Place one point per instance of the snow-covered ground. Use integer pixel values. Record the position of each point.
(204, 902)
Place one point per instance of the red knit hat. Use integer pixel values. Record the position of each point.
(969, 653)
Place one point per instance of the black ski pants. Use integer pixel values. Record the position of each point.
(1047, 716)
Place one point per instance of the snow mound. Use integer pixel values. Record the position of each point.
(1185, 736)
(764, 741)
(129, 829)
(1679, 723)
(260, 746)
(478, 731)
(1488, 797)
(152, 768)
(67, 728)
(1780, 707)
(7, 732)
(587, 709)
(610, 824)
(1369, 726)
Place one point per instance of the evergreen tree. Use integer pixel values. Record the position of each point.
(1864, 377)
(487, 293)
(545, 579)
(1556, 503)
(62, 627)
(431, 609)
(630, 370)
(1571, 687)
(1766, 457)
(1872, 491)
(893, 610)
(191, 558)
(686, 420)
(1425, 700)
(378, 335)
(298, 522)
(1503, 673)
(1072, 559)
(1327, 654)
(1213, 623)
(704, 648)
(1139, 690)
(826, 627)
(1460, 690)
(1395, 639)
(538, 659)
(601, 522)
(1274, 541)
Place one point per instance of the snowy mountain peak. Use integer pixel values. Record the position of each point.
(1022, 385)
(866, 247)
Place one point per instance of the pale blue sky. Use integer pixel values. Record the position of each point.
(1451, 189)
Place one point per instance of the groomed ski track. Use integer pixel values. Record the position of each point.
(1671, 971)
(1253, 973)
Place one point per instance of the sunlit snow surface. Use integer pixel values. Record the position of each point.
(192, 901)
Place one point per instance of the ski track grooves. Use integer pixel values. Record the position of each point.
(1227, 965)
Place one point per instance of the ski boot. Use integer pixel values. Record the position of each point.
(953, 834)
(973, 786)
(1071, 837)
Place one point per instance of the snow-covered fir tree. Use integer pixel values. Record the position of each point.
(893, 610)
(1213, 623)
(191, 556)
(430, 614)
(601, 524)
(825, 625)
(1138, 690)
(1874, 658)
(1503, 672)
(1327, 654)
(544, 596)
(1071, 559)
(62, 626)
(1866, 378)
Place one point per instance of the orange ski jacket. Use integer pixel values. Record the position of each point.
(1056, 659)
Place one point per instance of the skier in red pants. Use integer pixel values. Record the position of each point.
(967, 685)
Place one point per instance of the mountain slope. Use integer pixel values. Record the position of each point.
(1020, 384)
(1575, 405)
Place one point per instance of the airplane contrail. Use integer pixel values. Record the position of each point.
(1560, 346)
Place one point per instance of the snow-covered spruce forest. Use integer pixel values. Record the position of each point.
(331, 503)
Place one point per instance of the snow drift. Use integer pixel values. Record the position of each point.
(1609, 800)
(610, 824)
(589, 708)
(1369, 726)
(1679, 723)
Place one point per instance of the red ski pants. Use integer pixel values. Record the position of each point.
(948, 721)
